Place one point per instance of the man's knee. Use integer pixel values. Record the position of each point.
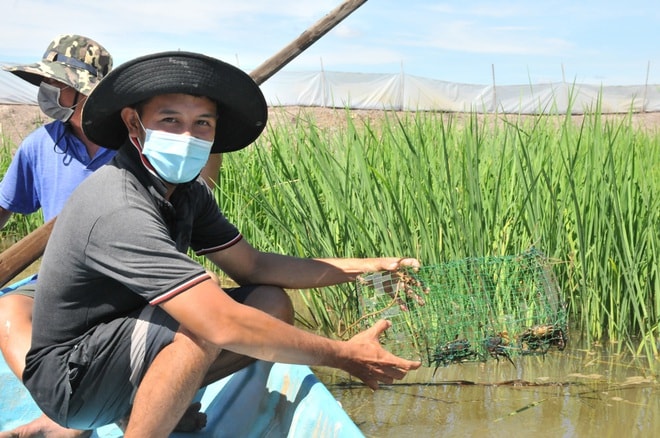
(16, 306)
(15, 330)
(15, 314)
(274, 301)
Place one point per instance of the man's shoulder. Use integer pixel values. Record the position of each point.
(107, 179)
(110, 187)
(43, 135)
(108, 196)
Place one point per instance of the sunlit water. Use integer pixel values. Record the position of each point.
(580, 392)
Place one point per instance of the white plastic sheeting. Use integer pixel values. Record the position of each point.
(14, 90)
(408, 92)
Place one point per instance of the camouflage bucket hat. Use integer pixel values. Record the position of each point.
(75, 60)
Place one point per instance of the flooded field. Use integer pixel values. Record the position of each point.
(585, 392)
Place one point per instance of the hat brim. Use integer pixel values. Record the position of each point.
(35, 73)
(242, 109)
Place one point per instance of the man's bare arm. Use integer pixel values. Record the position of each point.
(212, 316)
(4, 217)
(246, 265)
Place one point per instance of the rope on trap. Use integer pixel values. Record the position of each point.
(468, 310)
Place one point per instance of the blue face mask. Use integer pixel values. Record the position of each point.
(177, 158)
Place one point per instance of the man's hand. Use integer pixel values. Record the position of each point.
(396, 264)
(370, 362)
(397, 284)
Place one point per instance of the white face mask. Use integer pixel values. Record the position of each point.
(177, 158)
(49, 102)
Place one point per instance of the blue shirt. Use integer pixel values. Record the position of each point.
(43, 174)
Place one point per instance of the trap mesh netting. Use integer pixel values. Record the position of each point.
(467, 310)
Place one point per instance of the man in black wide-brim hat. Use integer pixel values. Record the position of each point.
(126, 324)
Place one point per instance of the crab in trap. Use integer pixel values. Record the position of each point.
(456, 351)
(540, 338)
(497, 346)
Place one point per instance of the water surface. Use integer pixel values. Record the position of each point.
(580, 392)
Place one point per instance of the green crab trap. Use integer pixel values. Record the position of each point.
(467, 310)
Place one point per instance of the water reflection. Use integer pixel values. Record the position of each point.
(577, 392)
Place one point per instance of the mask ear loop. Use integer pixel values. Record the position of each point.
(139, 120)
(67, 127)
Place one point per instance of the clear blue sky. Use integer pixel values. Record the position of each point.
(597, 42)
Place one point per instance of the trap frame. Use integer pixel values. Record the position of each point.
(467, 310)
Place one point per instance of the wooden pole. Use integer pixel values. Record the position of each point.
(24, 252)
(306, 39)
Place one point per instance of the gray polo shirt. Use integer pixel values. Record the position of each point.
(117, 246)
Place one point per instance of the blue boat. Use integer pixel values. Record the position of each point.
(263, 400)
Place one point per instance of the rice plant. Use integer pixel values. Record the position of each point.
(18, 225)
(442, 187)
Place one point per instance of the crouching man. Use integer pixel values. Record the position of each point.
(126, 326)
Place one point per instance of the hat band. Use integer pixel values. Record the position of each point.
(58, 57)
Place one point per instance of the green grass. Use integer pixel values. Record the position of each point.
(18, 225)
(440, 189)
(443, 187)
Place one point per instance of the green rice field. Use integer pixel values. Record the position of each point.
(443, 187)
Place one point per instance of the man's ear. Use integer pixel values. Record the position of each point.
(130, 118)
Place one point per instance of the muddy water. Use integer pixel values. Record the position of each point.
(580, 392)
(584, 391)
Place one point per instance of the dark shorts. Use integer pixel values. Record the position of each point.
(95, 382)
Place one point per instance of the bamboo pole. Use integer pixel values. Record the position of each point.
(306, 39)
(23, 253)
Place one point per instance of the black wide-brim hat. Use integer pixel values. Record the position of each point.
(242, 109)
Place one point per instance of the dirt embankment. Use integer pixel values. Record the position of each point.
(17, 121)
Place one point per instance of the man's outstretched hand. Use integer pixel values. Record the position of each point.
(370, 362)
